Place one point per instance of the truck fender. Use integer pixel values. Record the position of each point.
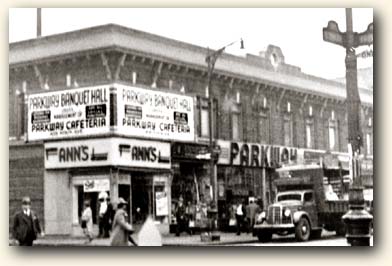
(298, 215)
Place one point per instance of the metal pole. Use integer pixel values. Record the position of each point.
(211, 60)
(39, 22)
(357, 219)
(213, 178)
(210, 117)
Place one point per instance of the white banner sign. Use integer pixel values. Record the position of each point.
(154, 114)
(107, 151)
(68, 113)
(96, 185)
(161, 203)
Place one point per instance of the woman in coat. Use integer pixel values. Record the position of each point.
(121, 228)
(87, 218)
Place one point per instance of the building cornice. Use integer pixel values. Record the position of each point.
(117, 37)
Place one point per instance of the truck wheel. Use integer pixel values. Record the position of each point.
(340, 229)
(316, 234)
(264, 237)
(302, 230)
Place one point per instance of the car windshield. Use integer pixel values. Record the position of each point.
(289, 197)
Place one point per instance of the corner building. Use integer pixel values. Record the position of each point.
(265, 113)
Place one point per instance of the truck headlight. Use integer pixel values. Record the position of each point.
(287, 213)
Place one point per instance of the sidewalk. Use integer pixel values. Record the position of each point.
(194, 240)
(167, 240)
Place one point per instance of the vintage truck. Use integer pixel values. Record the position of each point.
(309, 198)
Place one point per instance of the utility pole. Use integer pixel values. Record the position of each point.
(211, 58)
(357, 218)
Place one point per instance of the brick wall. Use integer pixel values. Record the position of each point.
(26, 173)
(87, 70)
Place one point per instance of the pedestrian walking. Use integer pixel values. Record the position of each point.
(247, 218)
(101, 212)
(121, 230)
(108, 218)
(240, 215)
(190, 216)
(251, 212)
(182, 222)
(26, 225)
(87, 221)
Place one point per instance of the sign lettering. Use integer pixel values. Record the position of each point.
(154, 114)
(255, 155)
(68, 113)
(106, 152)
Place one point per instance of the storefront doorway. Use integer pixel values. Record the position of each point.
(92, 197)
(141, 197)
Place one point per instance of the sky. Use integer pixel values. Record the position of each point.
(297, 31)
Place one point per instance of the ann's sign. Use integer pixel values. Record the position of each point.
(107, 152)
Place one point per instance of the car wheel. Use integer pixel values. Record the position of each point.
(302, 230)
(264, 237)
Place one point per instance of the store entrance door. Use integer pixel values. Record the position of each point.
(141, 198)
(92, 197)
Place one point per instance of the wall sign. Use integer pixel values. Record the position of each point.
(255, 155)
(161, 203)
(141, 153)
(107, 151)
(68, 113)
(260, 155)
(154, 114)
(96, 185)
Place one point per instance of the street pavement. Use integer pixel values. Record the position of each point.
(226, 239)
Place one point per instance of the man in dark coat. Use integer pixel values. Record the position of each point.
(181, 218)
(108, 218)
(26, 225)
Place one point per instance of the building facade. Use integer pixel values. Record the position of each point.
(265, 113)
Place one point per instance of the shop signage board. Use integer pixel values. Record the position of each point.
(107, 152)
(154, 114)
(68, 113)
(255, 155)
(161, 203)
(96, 185)
(263, 155)
(141, 153)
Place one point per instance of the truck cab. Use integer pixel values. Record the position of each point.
(306, 202)
(293, 212)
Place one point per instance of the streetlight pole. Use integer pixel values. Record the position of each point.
(211, 58)
(357, 218)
